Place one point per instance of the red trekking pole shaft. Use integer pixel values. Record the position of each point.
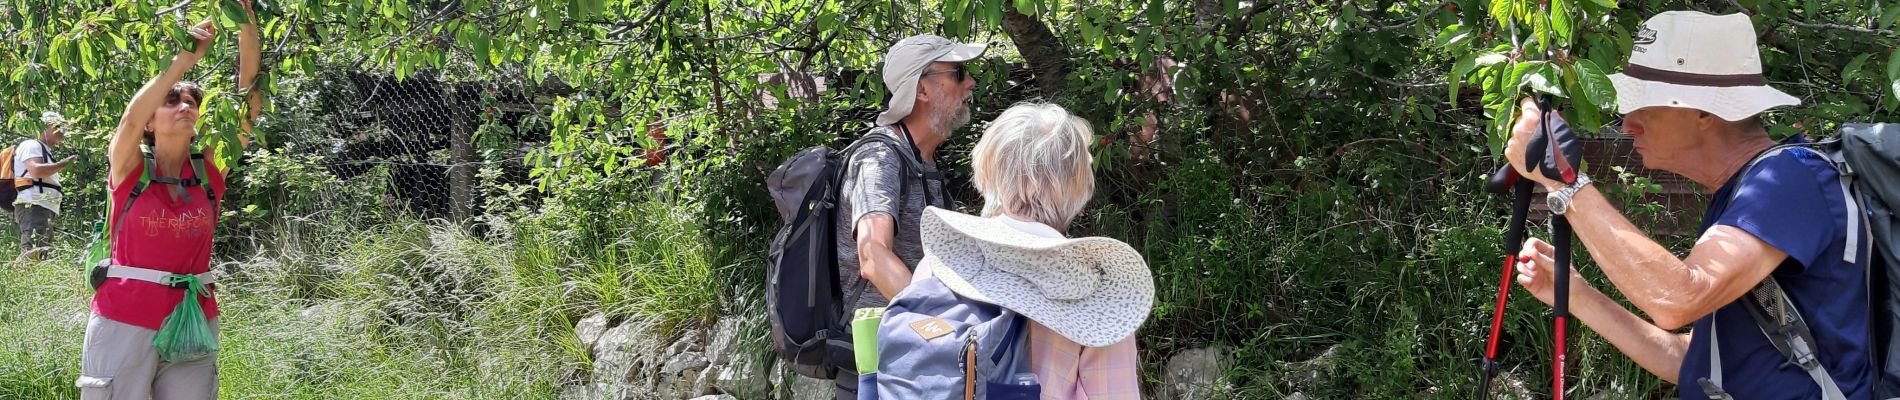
(1560, 232)
(1505, 180)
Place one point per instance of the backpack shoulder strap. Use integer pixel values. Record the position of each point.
(204, 180)
(1770, 308)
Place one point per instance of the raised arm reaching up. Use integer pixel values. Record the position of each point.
(249, 55)
(160, 102)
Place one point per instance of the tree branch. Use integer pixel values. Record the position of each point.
(1811, 25)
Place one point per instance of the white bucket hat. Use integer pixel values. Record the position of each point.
(1095, 291)
(905, 62)
(1690, 59)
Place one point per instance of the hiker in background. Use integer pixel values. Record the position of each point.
(885, 190)
(37, 180)
(1084, 297)
(161, 240)
(1693, 93)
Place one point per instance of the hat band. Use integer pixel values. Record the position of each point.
(1689, 79)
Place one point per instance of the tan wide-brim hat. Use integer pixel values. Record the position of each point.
(904, 65)
(1095, 291)
(1690, 59)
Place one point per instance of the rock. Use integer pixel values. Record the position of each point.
(1296, 396)
(745, 374)
(316, 312)
(683, 372)
(1616, 390)
(807, 388)
(624, 360)
(723, 340)
(716, 397)
(579, 392)
(685, 343)
(591, 328)
(729, 369)
(1510, 387)
(1195, 374)
(682, 363)
(1315, 370)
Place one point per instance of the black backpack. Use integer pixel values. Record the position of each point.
(1867, 157)
(804, 302)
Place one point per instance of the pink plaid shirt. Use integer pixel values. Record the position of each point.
(1069, 371)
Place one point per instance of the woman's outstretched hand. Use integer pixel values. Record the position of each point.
(204, 33)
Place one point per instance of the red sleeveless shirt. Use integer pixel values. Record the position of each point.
(160, 233)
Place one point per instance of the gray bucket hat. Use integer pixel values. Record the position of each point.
(904, 64)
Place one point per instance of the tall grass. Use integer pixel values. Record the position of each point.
(400, 309)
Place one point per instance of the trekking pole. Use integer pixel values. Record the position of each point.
(1560, 233)
(1505, 181)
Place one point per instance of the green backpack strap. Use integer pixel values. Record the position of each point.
(198, 171)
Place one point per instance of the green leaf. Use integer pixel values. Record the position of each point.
(1853, 69)
(1541, 78)
(1597, 89)
(1887, 17)
(1490, 59)
(1454, 38)
(231, 13)
(596, 7)
(1501, 11)
(1157, 13)
(86, 60)
(1459, 71)
(1026, 7)
(1560, 22)
(480, 45)
(179, 34)
(1610, 4)
(1893, 74)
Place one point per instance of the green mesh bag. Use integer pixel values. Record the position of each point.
(186, 335)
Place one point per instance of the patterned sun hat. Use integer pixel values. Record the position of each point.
(1095, 291)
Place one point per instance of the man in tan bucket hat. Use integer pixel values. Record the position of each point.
(1692, 94)
(886, 188)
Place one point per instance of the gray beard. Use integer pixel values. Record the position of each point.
(945, 120)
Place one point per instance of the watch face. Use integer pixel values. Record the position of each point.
(1557, 204)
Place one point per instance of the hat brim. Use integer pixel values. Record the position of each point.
(963, 52)
(955, 246)
(1733, 103)
(904, 95)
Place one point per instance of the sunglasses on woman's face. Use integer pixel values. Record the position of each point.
(961, 71)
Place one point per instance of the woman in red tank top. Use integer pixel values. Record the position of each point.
(161, 233)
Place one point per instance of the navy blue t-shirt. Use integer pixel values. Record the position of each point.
(1791, 200)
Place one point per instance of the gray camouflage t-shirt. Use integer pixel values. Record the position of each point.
(872, 186)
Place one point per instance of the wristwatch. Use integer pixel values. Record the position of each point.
(1559, 201)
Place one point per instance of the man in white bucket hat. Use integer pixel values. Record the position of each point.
(886, 188)
(1692, 94)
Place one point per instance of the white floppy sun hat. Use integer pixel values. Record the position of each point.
(1690, 59)
(1095, 291)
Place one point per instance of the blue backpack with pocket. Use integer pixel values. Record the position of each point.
(935, 344)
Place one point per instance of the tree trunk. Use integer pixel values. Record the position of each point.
(1046, 55)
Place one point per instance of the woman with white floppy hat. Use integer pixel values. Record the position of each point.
(1085, 297)
(1692, 95)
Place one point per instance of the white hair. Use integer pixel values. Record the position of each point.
(1033, 162)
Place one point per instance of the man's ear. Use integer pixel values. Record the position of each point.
(923, 91)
